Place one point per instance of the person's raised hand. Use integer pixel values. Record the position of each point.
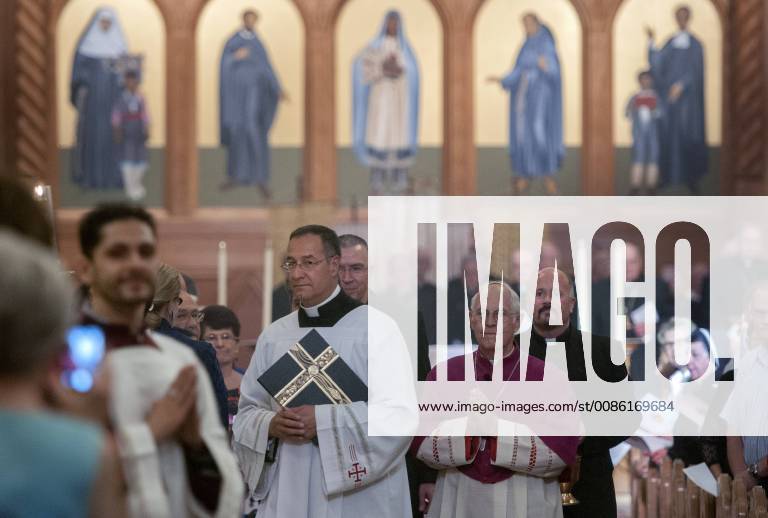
(543, 63)
(189, 430)
(675, 91)
(170, 412)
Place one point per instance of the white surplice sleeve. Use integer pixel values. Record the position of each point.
(141, 468)
(528, 455)
(251, 427)
(350, 457)
(445, 452)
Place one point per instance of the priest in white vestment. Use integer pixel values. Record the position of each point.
(345, 472)
(385, 83)
(505, 476)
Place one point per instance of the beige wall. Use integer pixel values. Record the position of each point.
(630, 56)
(143, 27)
(282, 32)
(358, 23)
(499, 35)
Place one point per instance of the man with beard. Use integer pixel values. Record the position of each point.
(174, 450)
(594, 489)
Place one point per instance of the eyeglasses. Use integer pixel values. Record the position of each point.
(195, 315)
(305, 264)
(354, 269)
(504, 314)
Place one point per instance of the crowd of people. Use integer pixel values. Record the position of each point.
(169, 424)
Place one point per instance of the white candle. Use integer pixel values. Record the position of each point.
(222, 274)
(44, 195)
(266, 295)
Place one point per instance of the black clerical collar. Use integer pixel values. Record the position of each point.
(330, 312)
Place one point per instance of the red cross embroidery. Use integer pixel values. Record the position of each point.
(357, 472)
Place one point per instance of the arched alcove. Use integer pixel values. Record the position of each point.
(281, 31)
(358, 23)
(144, 30)
(630, 56)
(498, 38)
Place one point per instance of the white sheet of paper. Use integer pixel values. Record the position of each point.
(702, 477)
(619, 451)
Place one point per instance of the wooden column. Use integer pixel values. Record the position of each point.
(597, 148)
(32, 136)
(319, 182)
(459, 152)
(746, 100)
(181, 161)
(7, 87)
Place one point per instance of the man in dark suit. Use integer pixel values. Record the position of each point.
(594, 489)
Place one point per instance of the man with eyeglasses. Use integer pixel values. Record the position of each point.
(476, 476)
(188, 315)
(325, 464)
(353, 267)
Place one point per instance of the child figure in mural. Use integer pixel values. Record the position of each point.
(130, 126)
(385, 106)
(536, 147)
(94, 88)
(644, 111)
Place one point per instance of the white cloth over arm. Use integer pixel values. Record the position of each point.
(156, 474)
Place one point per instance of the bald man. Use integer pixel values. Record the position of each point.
(481, 482)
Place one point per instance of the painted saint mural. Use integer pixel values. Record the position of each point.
(385, 107)
(249, 95)
(536, 147)
(678, 74)
(112, 118)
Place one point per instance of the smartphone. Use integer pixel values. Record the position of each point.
(85, 353)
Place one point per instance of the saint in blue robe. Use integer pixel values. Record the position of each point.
(367, 154)
(682, 130)
(536, 108)
(94, 88)
(249, 92)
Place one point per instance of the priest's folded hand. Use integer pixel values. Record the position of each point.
(306, 414)
(287, 426)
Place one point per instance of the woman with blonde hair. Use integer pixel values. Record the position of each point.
(166, 299)
(159, 316)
